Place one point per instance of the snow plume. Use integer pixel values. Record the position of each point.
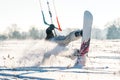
(54, 55)
(33, 53)
(42, 53)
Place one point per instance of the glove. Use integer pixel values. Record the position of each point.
(78, 33)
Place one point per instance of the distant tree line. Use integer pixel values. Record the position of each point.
(112, 31)
(33, 33)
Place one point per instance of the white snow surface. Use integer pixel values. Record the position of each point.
(44, 60)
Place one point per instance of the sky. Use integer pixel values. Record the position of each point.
(27, 13)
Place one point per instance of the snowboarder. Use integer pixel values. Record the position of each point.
(62, 40)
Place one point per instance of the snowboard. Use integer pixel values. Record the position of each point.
(86, 37)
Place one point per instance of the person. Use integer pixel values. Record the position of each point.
(62, 40)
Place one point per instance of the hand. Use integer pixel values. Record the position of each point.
(78, 33)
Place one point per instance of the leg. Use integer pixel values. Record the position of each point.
(65, 40)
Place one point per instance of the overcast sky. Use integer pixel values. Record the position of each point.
(26, 13)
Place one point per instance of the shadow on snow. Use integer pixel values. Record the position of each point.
(22, 77)
(30, 70)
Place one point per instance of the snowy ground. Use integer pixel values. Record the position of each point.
(21, 60)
